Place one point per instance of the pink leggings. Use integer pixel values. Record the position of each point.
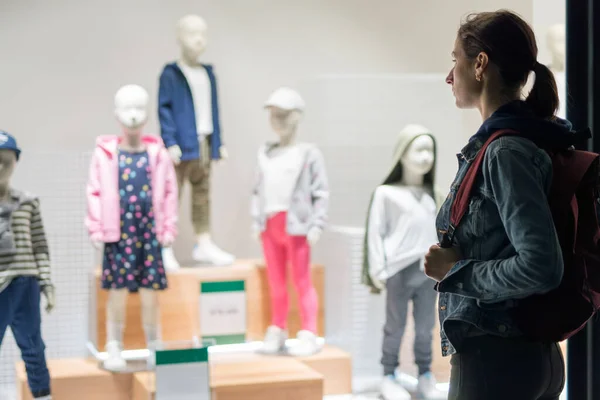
(279, 248)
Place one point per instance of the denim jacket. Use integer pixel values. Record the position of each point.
(507, 239)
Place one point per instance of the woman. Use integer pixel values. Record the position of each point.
(506, 247)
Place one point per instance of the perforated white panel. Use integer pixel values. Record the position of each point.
(59, 181)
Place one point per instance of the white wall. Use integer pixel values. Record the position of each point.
(545, 14)
(63, 60)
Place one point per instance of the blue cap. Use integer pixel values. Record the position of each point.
(8, 141)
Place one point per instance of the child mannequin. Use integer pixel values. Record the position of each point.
(400, 230)
(289, 207)
(132, 213)
(24, 271)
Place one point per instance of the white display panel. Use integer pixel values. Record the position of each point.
(356, 119)
(59, 179)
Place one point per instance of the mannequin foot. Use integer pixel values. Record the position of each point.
(274, 340)
(169, 260)
(307, 345)
(206, 252)
(392, 390)
(427, 389)
(115, 361)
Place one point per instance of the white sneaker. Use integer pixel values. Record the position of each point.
(115, 361)
(169, 260)
(307, 345)
(206, 252)
(427, 388)
(393, 390)
(274, 340)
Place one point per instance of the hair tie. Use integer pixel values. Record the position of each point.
(536, 66)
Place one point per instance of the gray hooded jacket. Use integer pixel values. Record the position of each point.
(310, 198)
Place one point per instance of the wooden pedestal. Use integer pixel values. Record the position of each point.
(76, 379)
(250, 377)
(179, 304)
(336, 367)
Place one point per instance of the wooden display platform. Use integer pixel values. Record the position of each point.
(76, 379)
(336, 367)
(247, 376)
(180, 305)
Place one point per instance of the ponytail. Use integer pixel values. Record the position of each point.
(543, 98)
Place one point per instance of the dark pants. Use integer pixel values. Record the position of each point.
(20, 309)
(494, 368)
(410, 284)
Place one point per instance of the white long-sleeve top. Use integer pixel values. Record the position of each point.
(401, 229)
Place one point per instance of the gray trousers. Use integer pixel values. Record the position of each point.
(409, 284)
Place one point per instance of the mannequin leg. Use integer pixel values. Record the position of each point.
(26, 327)
(396, 309)
(151, 322)
(424, 300)
(299, 251)
(276, 258)
(7, 305)
(150, 316)
(200, 181)
(115, 322)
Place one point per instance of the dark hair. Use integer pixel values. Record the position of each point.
(510, 44)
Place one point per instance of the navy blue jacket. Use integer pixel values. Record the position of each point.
(177, 116)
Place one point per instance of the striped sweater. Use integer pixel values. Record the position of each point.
(30, 256)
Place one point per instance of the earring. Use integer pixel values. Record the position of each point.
(478, 78)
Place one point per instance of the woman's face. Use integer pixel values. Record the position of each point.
(465, 87)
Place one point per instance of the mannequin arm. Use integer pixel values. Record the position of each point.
(376, 230)
(40, 246)
(93, 220)
(319, 189)
(170, 200)
(165, 112)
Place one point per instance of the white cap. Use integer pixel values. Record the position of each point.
(286, 99)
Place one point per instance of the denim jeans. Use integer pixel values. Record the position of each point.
(20, 309)
(495, 368)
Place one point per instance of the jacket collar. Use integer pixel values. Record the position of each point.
(469, 152)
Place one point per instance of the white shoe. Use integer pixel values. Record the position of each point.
(307, 345)
(169, 260)
(274, 340)
(427, 388)
(206, 252)
(393, 390)
(115, 361)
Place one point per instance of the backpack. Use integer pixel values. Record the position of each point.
(574, 196)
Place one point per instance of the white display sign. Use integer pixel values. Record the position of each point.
(223, 312)
(182, 374)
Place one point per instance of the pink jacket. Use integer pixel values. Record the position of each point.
(103, 215)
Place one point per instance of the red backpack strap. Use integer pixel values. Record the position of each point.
(460, 205)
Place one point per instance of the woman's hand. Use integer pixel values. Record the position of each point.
(438, 261)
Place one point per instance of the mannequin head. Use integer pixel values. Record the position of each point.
(285, 106)
(557, 46)
(192, 38)
(8, 160)
(131, 108)
(9, 155)
(414, 158)
(418, 158)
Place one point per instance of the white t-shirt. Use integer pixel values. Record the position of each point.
(197, 79)
(280, 169)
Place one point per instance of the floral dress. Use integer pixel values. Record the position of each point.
(135, 261)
